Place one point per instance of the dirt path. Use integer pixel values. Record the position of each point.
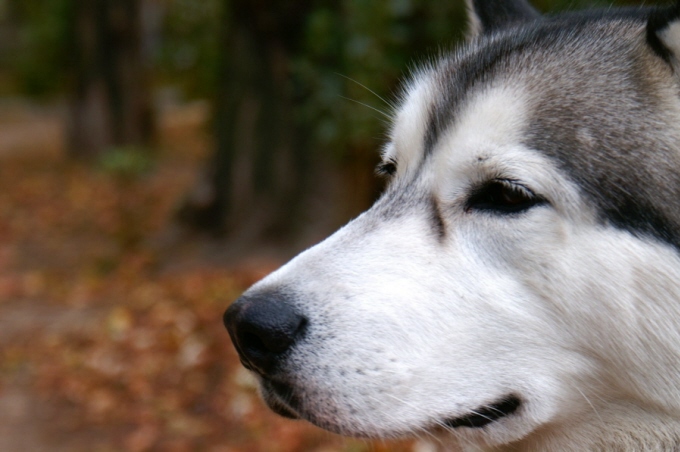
(27, 129)
(29, 422)
(24, 129)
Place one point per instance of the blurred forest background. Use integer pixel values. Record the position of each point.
(156, 158)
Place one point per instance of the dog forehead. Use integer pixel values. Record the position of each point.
(479, 90)
(494, 117)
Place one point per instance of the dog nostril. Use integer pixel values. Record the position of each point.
(263, 329)
(276, 340)
(252, 341)
(256, 344)
(252, 344)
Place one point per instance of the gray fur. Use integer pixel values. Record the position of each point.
(604, 107)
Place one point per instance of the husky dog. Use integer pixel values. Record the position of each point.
(517, 285)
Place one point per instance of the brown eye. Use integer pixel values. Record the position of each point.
(504, 197)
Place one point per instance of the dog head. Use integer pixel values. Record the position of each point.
(490, 290)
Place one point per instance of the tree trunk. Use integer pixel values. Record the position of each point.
(259, 169)
(110, 101)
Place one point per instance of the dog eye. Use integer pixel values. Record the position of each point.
(503, 196)
(387, 168)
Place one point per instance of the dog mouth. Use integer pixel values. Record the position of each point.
(280, 398)
(486, 414)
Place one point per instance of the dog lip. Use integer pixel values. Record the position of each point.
(486, 414)
(280, 398)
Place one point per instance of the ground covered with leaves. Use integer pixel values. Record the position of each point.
(110, 314)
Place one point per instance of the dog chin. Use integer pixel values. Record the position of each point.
(282, 399)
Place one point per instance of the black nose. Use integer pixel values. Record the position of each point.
(263, 328)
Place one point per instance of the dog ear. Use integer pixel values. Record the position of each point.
(486, 16)
(663, 33)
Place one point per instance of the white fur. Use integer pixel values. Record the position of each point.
(474, 24)
(577, 319)
(670, 36)
(410, 123)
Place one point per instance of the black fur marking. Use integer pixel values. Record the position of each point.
(486, 414)
(437, 219)
(498, 14)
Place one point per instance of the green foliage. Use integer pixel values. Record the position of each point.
(189, 51)
(40, 61)
(127, 162)
(352, 59)
(344, 45)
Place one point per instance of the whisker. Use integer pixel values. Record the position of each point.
(368, 106)
(481, 415)
(366, 88)
(589, 403)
